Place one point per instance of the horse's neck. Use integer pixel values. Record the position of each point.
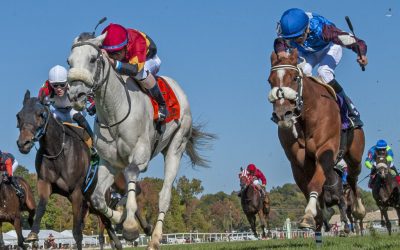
(112, 100)
(52, 140)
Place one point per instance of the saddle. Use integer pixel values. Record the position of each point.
(80, 132)
(346, 123)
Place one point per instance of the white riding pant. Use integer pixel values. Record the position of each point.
(257, 182)
(65, 114)
(151, 65)
(14, 165)
(327, 60)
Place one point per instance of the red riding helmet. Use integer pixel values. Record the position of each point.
(251, 168)
(116, 38)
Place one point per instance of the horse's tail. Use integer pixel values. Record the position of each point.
(198, 141)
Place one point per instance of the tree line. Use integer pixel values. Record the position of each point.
(190, 209)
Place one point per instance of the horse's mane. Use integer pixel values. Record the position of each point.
(84, 36)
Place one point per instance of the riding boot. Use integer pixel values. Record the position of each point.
(82, 122)
(115, 198)
(354, 115)
(18, 189)
(155, 92)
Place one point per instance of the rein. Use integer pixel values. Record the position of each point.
(100, 62)
(41, 131)
(286, 92)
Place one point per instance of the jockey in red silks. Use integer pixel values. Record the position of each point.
(8, 164)
(259, 178)
(134, 54)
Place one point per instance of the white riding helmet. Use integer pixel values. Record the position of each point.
(57, 74)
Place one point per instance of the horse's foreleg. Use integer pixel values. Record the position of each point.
(263, 223)
(18, 230)
(384, 211)
(77, 211)
(104, 182)
(106, 223)
(252, 220)
(130, 226)
(44, 190)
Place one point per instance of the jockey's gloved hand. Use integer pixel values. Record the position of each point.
(263, 186)
(91, 109)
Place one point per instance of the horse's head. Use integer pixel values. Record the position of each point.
(86, 68)
(382, 166)
(286, 88)
(32, 120)
(245, 180)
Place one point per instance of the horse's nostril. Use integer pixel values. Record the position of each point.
(288, 114)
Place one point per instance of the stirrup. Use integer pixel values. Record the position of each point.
(162, 113)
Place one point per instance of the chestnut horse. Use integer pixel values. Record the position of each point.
(356, 219)
(11, 207)
(309, 127)
(253, 204)
(386, 191)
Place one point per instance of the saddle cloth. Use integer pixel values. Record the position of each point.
(171, 101)
(80, 132)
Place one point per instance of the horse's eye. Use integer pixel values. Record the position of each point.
(93, 59)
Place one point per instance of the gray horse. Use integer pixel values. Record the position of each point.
(126, 136)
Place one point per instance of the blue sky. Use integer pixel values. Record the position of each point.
(219, 52)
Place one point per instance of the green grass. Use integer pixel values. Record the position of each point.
(367, 242)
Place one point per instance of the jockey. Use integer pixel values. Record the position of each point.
(54, 93)
(380, 149)
(320, 43)
(8, 164)
(259, 178)
(134, 54)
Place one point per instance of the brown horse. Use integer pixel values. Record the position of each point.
(253, 204)
(309, 127)
(356, 218)
(11, 207)
(385, 190)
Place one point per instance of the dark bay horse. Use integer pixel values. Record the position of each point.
(61, 163)
(385, 190)
(11, 207)
(309, 127)
(355, 217)
(253, 204)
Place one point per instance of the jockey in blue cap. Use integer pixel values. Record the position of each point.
(380, 149)
(320, 43)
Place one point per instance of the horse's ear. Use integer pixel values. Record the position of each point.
(99, 40)
(294, 55)
(27, 96)
(274, 58)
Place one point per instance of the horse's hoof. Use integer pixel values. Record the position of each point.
(153, 246)
(307, 222)
(346, 229)
(32, 237)
(130, 234)
(148, 230)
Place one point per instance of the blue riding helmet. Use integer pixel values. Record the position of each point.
(381, 144)
(293, 23)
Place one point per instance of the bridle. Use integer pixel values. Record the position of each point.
(41, 131)
(100, 64)
(280, 93)
(97, 83)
